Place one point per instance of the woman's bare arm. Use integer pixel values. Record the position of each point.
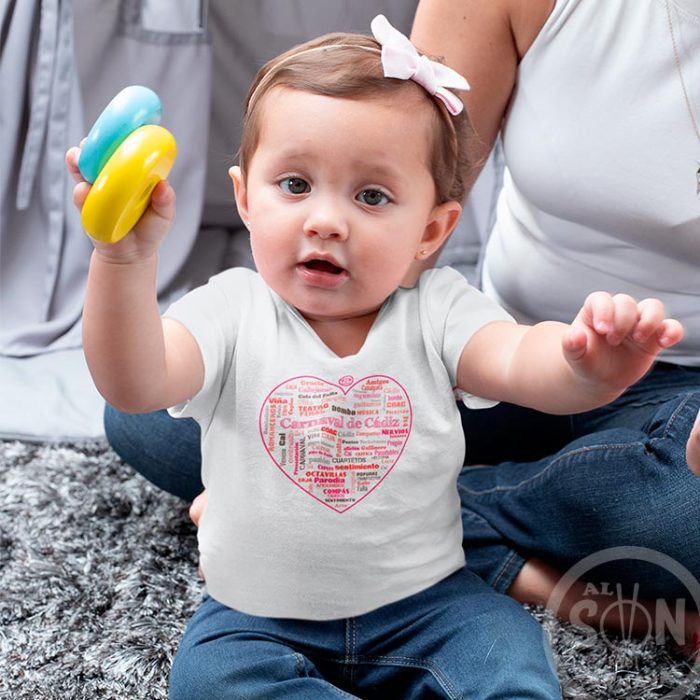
(485, 41)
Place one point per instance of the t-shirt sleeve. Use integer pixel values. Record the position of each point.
(456, 311)
(211, 313)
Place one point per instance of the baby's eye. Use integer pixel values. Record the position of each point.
(294, 185)
(373, 198)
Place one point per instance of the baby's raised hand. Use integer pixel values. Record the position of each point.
(614, 340)
(146, 237)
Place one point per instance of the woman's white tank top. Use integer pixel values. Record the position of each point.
(600, 188)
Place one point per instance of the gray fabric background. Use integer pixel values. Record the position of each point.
(62, 61)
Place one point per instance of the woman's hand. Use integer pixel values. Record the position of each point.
(145, 238)
(692, 454)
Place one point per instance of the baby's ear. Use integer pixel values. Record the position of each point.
(441, 223)
(240, 191)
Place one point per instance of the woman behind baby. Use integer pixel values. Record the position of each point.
(324, 388)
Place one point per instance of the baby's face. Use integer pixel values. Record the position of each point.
(338, 195)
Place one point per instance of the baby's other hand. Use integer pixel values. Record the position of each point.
(614, 340)
(197, 507)
(145, 238)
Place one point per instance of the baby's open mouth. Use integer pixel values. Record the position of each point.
(323, 266)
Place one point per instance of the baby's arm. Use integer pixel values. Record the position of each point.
(138, 362)
(557, 368)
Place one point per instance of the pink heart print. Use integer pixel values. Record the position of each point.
(336, 442)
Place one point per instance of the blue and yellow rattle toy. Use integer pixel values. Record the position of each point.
(125, 155)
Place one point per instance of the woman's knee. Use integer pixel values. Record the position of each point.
(164, 450)
(671, 425)
(116, 428)
(632, 481)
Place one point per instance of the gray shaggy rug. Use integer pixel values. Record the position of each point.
(98, 577)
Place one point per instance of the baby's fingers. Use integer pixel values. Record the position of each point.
(612, 317)
(654, 328)
(80, 193)
(598, 312)
(575, 343)
(163, 200)
(669, 333)
(651, 318)
(625, 319)
(159, 215)
(72, 156)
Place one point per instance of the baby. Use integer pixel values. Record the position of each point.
(324, 385)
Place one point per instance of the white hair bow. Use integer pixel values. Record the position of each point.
(400, 59)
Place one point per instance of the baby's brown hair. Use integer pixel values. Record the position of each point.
(347, 65)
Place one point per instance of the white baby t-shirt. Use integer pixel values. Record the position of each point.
(331, 480)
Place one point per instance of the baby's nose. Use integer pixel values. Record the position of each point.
(326, 221)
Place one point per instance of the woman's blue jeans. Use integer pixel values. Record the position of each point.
(564, 488)
(457, 639)
(618, 478)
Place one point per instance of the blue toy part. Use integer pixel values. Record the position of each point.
(133, 107)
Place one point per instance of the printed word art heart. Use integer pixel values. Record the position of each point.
(336, 442)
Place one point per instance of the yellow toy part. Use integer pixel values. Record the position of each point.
(122, 191)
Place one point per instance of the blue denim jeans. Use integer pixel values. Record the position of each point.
(563, 488)
(618, 478)
(457, 639)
